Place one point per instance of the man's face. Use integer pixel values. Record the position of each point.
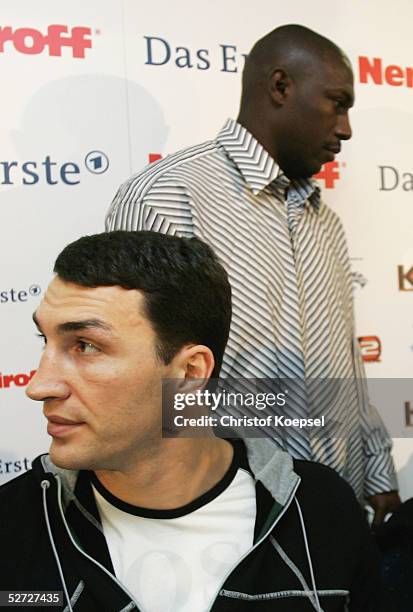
(316, 118)
(99, 376)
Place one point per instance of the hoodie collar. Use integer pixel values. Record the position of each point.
(270, 465)
(259, 169)
(273, 467)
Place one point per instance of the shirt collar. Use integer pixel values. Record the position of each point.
(259, 169)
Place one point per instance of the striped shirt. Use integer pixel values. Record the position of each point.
(286, 256)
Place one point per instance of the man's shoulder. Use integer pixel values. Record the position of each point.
(328, 503)
(174, 168)
(318, 472)
(318, 480)
(18, 491)
(20, 508)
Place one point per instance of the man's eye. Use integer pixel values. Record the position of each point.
(87, 347)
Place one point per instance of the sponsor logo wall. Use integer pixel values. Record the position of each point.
(108, 87)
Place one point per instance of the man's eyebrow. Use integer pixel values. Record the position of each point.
(83, 324)
(87, 324)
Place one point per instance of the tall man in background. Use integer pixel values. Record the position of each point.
(249, 194)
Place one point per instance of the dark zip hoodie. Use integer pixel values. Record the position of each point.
(312, 549)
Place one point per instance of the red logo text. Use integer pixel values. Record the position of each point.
(153, 157)
(19, 380)
(373, 70)
(329, 173)
(33, 42)
(370, 348)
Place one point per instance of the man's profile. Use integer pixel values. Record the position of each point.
(119, 518)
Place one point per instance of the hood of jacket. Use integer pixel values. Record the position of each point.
(269, 465)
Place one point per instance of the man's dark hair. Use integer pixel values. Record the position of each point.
(187, 295)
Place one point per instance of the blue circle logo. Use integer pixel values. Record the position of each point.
(96, 162)
(35, 290)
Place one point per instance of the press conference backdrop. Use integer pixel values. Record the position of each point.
(93, 91)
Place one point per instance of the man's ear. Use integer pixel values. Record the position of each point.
(193, 362)
(279, 85)
(199, 361)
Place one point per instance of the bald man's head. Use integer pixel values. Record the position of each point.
(296, 91)
(293, 47)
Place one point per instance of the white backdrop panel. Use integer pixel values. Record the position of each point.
(84, 124)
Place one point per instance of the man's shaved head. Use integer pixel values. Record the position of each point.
(292, 47)
(290, 39)
(296, 81)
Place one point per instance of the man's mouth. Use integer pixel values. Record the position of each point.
(58, 426)
(333, 148)
(331, 151)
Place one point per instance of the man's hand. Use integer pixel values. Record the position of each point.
(382, 504)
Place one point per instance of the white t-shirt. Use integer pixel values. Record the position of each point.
(176, 560)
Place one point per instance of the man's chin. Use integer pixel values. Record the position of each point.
(301, 172)
(315, 170)
(67, 459)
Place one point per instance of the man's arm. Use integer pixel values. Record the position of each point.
(380, 480)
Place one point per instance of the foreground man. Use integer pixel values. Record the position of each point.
(249, 194)
(122, 519)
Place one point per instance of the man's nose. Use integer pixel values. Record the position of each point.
(48, 382)
(343, 127)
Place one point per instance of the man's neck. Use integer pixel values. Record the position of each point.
(183, 470)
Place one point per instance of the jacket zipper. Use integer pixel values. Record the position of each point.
(99, 565)
(257, 543)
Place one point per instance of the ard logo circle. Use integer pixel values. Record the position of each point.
(35, 290)
(96, 162)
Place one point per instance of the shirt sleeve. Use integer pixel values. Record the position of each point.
(379, 471)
